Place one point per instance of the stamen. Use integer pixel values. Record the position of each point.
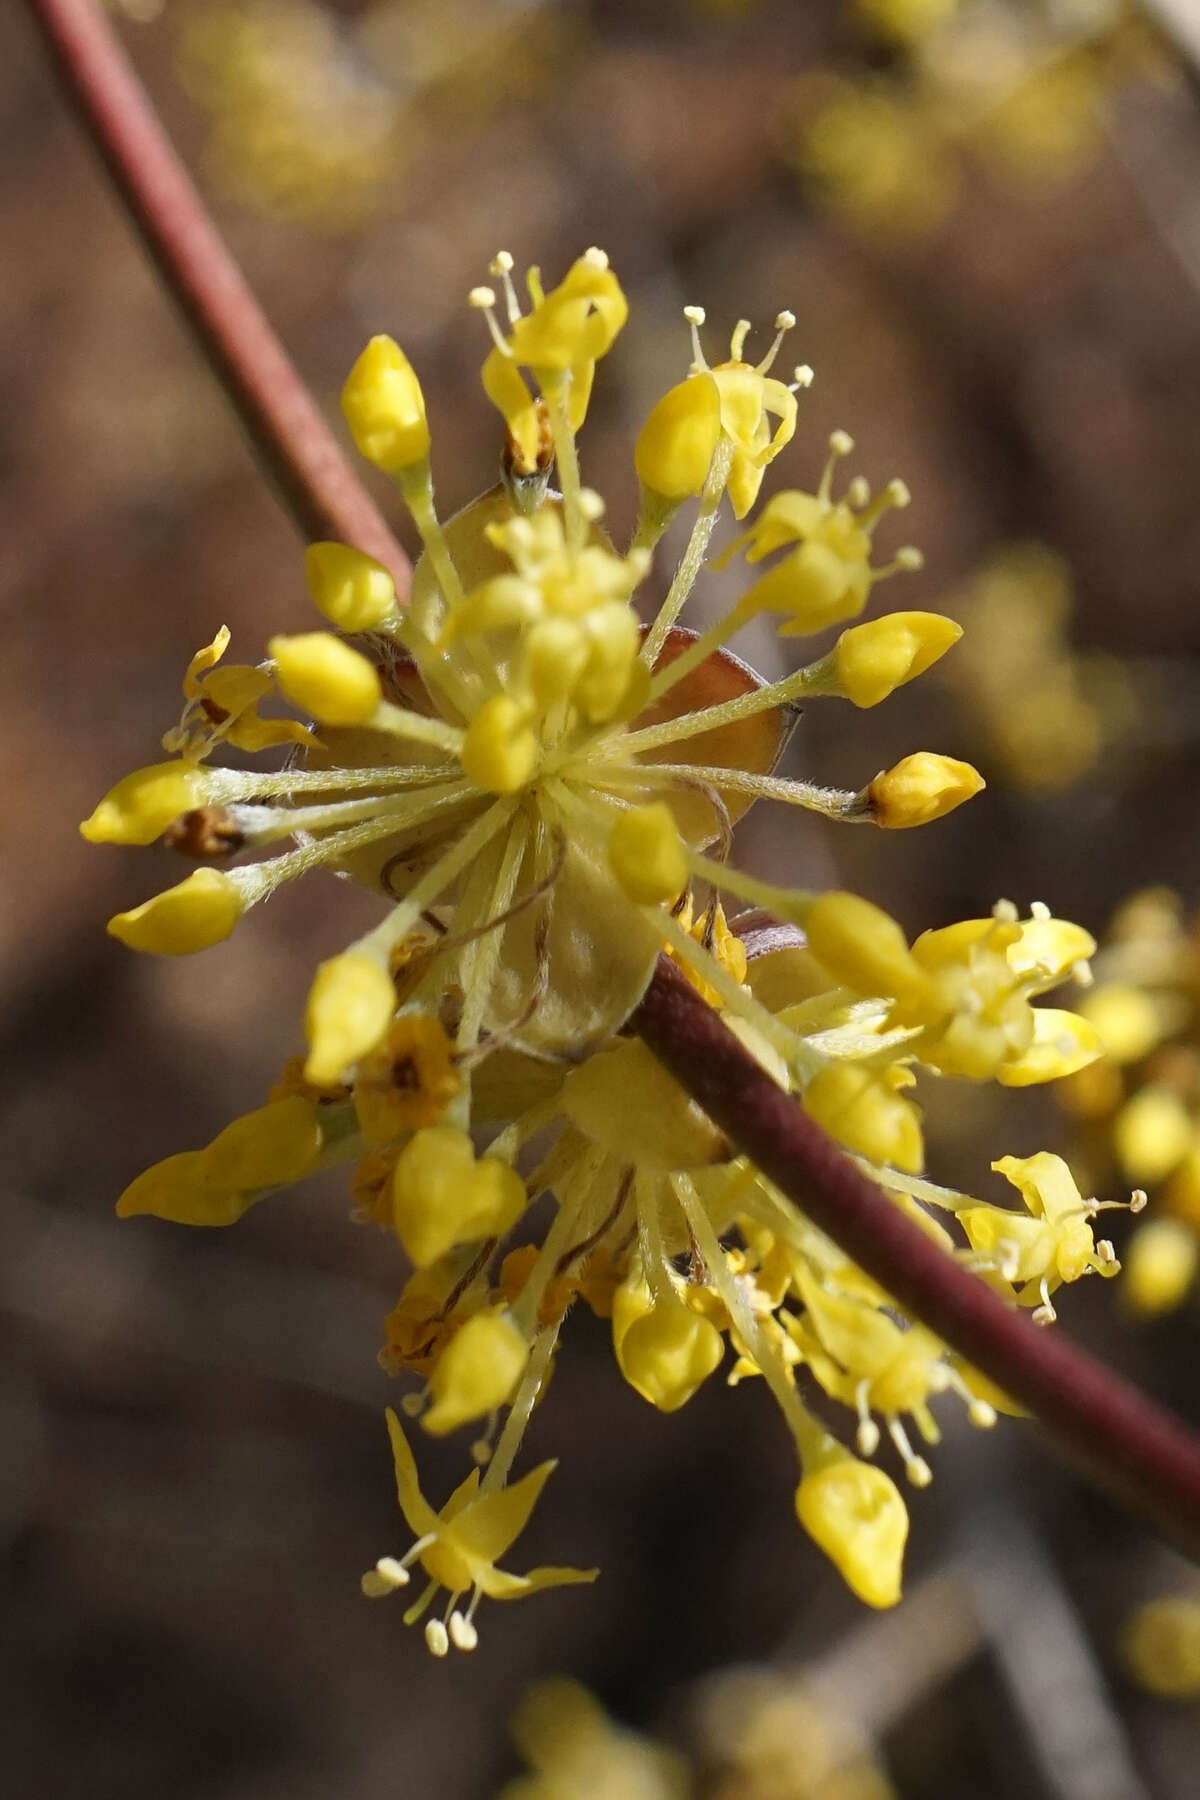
(595, 258)
(841, 444)
(784, 322)
(695, 316)
(916, 1468)
(501, 267)
(1006, 912)
(413, 1405)
(895, 494)
(463, 1634)
(437, 1639)
(858, 494)
(802, 377)
(1045, 1313)
(483, 299)
(867, 1436)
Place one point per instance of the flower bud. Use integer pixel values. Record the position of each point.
(675, 446)
(664, 1350)
(920, 788)
(325, 677)
(500, 750)
(1161, 1259)
(269, 1147)
(350, 1006)
(1152, 1133)
(196, 912)
(862, 1110)
(1126, 1019)
(140, 808)
(442, 1197)
(856, 1515)
(353, 591)
(385, 408)
(179, 1191)
(647, 854)
(860, 945)
(872, 660)
(476, 1372)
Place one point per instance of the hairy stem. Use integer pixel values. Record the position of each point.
(1118, 1435)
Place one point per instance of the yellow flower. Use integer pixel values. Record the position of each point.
(407, 1081)
(920, 788)
(476, 1372)
(460, 1547)
(1161, 1260)
(828, 577)
(560, 341)
(731, 405)
(872, 660)
(664, 1349)
(441, 1196)
(193, 915)
(385, 408)
(353, 591)
(221, 706)
(855, 1514)
(140, 807)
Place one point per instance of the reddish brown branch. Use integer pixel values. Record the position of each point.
(316, 482)
(1123, 1439)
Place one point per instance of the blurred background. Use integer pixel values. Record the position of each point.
(986, 217)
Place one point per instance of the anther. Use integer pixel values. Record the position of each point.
(1006, 912)
(803, 376)
(412, 1405)
(591, 505)
(1039, 910)
(437, 1639)
(463, 1634)
(981, 1414)
(595, 258)
(1137, 1200)
(858, 494)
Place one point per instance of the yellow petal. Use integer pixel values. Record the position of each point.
(192, 915)
(419, 1516)
(487, 1528)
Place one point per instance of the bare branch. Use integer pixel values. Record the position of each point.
(315, 480)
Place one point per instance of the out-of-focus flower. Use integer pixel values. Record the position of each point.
(1138, 1108)
(1160, 1646)
(1048, 710)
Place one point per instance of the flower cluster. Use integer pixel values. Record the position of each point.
(541, 792)
(1138, 1108)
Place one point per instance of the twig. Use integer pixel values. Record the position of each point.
(1122, 1438)
(315, 481)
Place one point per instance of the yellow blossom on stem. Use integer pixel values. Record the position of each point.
(441, 1196)
(476, 1372)
(856, 1515)
(353, 591)
(921, 788)
(385, 408)
(193, 915)
(460, 1547)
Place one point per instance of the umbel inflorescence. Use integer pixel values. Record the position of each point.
(541, 791)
